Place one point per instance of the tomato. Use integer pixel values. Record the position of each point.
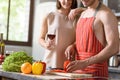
(1, 60)
(2, 56)
(38, 67)
(58, 70)
(26, 68)
(65, 64)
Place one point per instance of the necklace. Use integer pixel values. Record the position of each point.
(66, 17)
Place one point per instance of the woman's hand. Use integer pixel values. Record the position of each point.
(50, 44)
(70, 52)
(74, 12)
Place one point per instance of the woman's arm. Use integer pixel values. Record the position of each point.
(43, 32)
(75, 12)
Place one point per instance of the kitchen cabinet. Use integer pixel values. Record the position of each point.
(113, 5)
(114, 73)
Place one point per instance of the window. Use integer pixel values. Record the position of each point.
(16, 21)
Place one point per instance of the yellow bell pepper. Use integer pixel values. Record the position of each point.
(37, 68)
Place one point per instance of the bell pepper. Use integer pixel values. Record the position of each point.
(38, 67)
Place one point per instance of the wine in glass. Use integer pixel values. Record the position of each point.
(51, 40)
(51, 36)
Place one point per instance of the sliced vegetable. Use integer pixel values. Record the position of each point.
(65, 64)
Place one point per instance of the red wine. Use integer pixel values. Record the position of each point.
(51, 36)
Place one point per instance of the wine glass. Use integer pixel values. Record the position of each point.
(51, 40)
(8, 52)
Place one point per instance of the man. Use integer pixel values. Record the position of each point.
(97, 39)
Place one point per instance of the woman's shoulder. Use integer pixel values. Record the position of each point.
(51, 14)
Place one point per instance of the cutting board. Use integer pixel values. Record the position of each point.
(71, 75)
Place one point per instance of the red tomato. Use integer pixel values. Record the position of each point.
(65, 64)
(2, 56)
(58, 70)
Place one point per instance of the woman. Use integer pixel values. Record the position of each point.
(57, 23)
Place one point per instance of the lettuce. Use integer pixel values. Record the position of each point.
(14, 61)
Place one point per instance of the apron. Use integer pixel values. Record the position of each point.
(88, 45)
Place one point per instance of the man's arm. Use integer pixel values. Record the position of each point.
(112, 38)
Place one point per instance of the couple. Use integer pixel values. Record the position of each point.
(93, 38)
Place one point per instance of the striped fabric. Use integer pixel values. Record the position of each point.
(87, 45)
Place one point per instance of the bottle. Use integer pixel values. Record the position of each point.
(2, 48)
(2, 44)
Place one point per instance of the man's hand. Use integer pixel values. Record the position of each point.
(70, 52)
(76, 65)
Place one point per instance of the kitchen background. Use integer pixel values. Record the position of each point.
(41, 7)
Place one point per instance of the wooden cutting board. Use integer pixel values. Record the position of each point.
(71, 75)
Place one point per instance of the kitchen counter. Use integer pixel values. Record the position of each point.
(21, 76)
(114, 72)
(114, 69)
